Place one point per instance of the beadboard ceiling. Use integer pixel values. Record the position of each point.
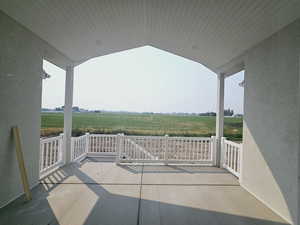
(211, 32)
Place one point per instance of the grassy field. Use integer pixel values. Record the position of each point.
(140, 124)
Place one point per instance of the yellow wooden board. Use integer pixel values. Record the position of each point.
(20, 158)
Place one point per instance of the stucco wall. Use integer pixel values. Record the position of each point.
(21, 54)
(299, 144)
(271, 122)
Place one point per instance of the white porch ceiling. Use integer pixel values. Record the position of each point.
(211, 32)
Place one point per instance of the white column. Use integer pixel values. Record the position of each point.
(68, 113)
(220, 117)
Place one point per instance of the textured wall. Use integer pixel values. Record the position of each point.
(21, 55)
(271, 122)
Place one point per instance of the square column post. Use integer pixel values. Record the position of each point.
(220, 117)
(68, 113)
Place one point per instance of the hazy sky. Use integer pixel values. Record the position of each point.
(144, 79)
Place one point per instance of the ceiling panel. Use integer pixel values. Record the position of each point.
(211, 32)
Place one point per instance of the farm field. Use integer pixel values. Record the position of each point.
(141, 124)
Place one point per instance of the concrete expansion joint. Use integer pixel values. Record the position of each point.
(140, 197)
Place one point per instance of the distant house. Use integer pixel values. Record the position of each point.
(238, 115)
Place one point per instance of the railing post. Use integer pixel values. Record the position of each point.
(240, 158)
(72, 150)
(87, 143)
(61, 146)
(166, 149)
(41, 159)
(120, 148)
(213, 147)
(223, 139)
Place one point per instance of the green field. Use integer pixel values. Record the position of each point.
(141, 124)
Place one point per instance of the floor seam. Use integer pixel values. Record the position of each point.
(140, 197)
(95, 183)
(153, 184)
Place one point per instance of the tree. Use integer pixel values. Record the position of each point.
(75, 109)
(228, 112)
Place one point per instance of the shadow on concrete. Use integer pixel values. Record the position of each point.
(173, 169)
(37, 211)
(159, 168)
(109, 208)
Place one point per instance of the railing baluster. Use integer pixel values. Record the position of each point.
(46, 155)
(96, 141)
(56, 150)
(238, 161)
(41, 156)
(105, 144)
(98, 144)
(232, 157)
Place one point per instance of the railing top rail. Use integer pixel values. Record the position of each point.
(175, 137)
(44, 140)
(233, 143)
(79, 137)
(192, 138)
(149, 137)
(103, 135)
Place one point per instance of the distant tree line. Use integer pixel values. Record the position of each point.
(208, 114)
(227, 112)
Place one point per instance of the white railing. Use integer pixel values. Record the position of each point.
(102, 143)
(190, 149)
(152, 146)
(231, 156)
(50, 154)
(144, 149)
(79, 147)
(166, 149)
(131, 151)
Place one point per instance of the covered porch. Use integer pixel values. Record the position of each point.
(97, 191)
(71, 187)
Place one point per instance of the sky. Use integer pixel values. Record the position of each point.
(144, 79)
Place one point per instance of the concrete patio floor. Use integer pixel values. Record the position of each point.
(97, 192)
